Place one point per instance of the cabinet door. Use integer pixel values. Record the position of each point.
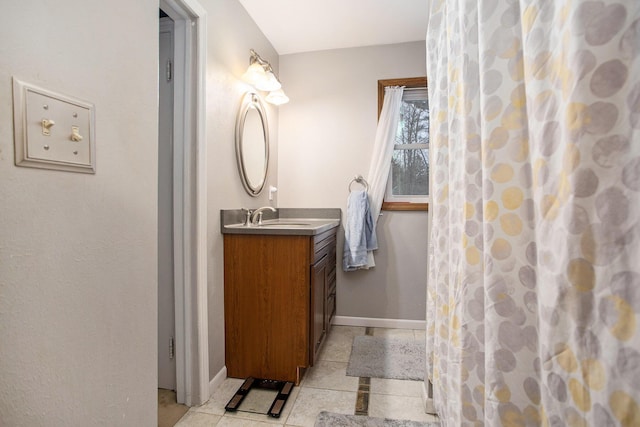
(330, 308)
(267, 308)
(318, 305)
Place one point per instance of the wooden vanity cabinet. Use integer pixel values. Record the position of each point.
(280, 299)
(323, 286)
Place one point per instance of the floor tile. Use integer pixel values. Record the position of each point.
(198, 419)
(398, 407)
(325, 387)
(394, 333)
(225, 392)
(228, 421)
(311, 401)
(331, 376)
(421, 334)
(396, 387)
(263, 418)
(337, 346)
(347, 331)
(221, 397)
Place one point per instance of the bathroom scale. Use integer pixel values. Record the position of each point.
(261, 396)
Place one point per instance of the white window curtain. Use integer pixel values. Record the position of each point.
(382, 152)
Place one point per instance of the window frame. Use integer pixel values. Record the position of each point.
(410, 82)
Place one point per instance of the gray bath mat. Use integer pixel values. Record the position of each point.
(329, 419)
(380, 357)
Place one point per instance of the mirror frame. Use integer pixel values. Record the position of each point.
(251, 101)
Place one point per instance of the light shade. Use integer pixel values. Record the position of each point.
(261, 76)
(277, 97)
(254, 74)
(268, 83)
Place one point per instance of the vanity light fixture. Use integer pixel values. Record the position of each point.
(277, 97)
(261, 76)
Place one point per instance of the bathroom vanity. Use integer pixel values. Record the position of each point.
(279, 291)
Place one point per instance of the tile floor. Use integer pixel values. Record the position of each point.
(325, 387)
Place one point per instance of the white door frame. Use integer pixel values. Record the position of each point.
(189, 200)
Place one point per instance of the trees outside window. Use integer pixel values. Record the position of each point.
(408, 184)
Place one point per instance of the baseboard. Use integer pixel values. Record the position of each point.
(427, 401)
(379, 323)
(217, 381)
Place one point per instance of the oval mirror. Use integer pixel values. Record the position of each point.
(252, 143)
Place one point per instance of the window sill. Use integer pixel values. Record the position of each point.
(404, 206)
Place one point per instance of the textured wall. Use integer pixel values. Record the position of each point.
(326, 136)
(231, 33)
(77, 251)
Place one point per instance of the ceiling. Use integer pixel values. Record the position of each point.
(294, 26)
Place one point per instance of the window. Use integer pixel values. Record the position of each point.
(408, 184)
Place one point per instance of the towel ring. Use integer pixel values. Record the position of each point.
(360, 180)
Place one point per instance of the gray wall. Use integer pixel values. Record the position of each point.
(326, 136)
(77, 251)
(231, 33)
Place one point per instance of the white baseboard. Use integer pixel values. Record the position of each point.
(379, 323)
(427, 402)
(217, 381)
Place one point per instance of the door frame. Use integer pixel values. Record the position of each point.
(166, 308)
(189, 200)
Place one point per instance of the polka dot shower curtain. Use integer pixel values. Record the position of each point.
(534, 260)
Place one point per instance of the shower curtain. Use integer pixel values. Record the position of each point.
(534, 256)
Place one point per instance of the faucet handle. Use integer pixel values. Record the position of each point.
(247, 219)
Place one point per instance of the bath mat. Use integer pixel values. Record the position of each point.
(329, 419)
(380, 357)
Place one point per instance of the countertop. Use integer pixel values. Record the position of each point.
(284, 222)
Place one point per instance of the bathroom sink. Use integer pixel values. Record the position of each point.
(284, 223)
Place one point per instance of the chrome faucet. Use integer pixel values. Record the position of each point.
(256, 216)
